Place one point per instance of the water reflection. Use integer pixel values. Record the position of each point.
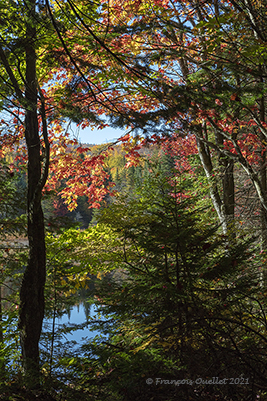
(76, 315)
(64, 337)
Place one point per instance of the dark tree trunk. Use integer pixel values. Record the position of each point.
(32, 289)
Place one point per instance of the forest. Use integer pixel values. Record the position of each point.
(162, 232)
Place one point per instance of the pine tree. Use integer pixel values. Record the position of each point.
(185, 307)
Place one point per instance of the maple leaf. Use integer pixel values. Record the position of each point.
(235, 97)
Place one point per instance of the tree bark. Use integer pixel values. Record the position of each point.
(206, 162)
(228, 186)
(32, 289)
(263, 181)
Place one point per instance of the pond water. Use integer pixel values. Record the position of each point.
(77, 315)
(72, 329)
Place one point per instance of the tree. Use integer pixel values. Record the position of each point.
(183, 307)
(167, 67)
(25, 64)
(20, 88)
(193, 69)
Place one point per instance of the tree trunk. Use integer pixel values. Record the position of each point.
(263, 211)
(32, 289)
(224, 205)
(228, 186)
(263, 215)
(206, 162)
